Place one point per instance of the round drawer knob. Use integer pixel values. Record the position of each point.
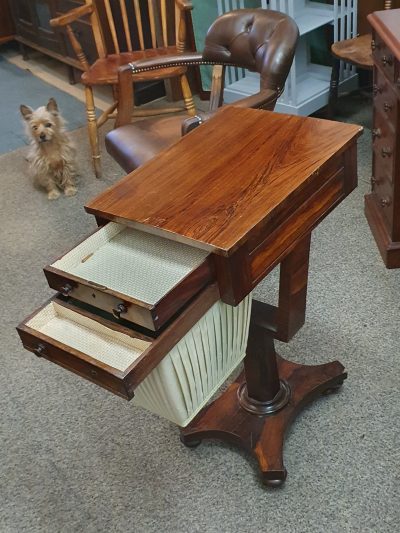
(387, 61)
(385, 202)
(376, 89)
(39, 350)
(373, 45)
(376, 132)
(374, 181)
(386, 151)
(119, 310)
(387, 106)
(66, 289)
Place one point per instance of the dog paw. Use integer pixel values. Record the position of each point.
(53, 195)
(70, 191)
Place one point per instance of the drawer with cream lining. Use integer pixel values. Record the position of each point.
(134, 275)
(173, 375)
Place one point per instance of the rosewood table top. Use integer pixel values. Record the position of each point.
(223, 183)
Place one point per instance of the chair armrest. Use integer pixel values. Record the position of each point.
(184, 5)
(192, 123)
(72, 15)
(265, 99)
(181, 60)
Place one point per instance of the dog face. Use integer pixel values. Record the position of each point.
(43, 124)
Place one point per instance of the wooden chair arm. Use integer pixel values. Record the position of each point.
(184, 5)
(72, 15)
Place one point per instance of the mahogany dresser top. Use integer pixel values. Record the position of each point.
(226, 180)
(387, 24)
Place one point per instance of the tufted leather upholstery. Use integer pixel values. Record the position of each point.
(261, 41)
(258, 40)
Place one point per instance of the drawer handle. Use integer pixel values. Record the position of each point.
(374, 46)
(386, 151)
(39, 350)
(387, 106)
(376, 132)
(385, 202)
(376, 89)
(387, 61)
(120, 309)
(66, 289)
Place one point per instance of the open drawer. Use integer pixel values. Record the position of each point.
(173, 375)
(137, 276)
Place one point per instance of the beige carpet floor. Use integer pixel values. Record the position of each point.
(75, 458)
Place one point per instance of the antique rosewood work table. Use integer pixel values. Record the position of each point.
(155, 305)
(248, 187)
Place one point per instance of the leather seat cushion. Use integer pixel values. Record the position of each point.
(135, 144)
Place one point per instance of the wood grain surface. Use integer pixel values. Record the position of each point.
(222, 183)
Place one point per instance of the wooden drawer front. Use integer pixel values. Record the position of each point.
(383, 193)
(385, 98)
(383, 57)
(275, 246)
(173, 375)
(384, 147)
(133, 275)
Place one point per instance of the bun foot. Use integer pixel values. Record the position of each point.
(269, 480)
(189, 443)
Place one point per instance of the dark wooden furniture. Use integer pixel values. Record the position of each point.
(248, 200)
(382, 205)
(32, 29)
(149, 37)
(356, 51)
(7, 29)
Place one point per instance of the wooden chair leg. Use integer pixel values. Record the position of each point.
(93, 132)
(187, 96)
(334, 88)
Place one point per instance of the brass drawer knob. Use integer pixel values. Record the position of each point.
(374, 181)
(387, 106)
(386, 151)
(373, 45)
(387, 61)
(376, 89)
(376, 132)
(39, 350)
(66, 289)
(119, 310)
(386, 201)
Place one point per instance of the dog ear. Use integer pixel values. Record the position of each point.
(26, 111)
(52, 106)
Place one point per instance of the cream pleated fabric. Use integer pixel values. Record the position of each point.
(186, 379)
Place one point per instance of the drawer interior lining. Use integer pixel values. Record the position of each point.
(88, 336)
(132, 262)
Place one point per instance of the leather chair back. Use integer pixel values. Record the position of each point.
(261, 41)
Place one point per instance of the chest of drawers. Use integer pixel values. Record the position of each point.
(383, 203)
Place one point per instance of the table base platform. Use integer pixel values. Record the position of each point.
(263, 435)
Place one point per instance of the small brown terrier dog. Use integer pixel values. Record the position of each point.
(52, 155)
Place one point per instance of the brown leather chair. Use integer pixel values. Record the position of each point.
(259, 40)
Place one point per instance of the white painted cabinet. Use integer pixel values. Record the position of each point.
(307, 87)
